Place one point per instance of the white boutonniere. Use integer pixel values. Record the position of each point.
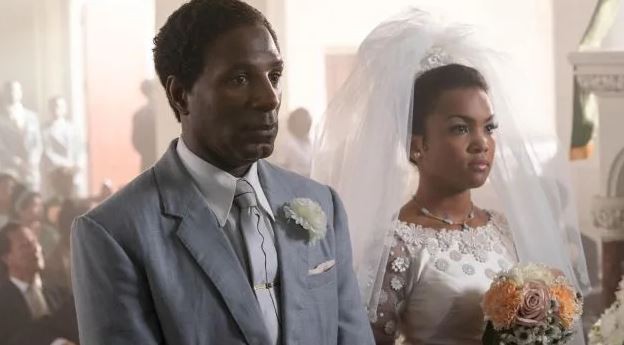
(309, 215)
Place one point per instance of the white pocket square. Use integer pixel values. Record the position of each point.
(323, 267)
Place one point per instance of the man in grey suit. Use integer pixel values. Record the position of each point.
(214, 245)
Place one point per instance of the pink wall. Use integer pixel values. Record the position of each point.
(115, 35)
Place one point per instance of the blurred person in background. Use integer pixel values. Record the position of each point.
(61, 188)
(33, 312)
(62, 185)
(106, 190)
(58, 263)
(59, 146)
(28, 209)
(144, 126)
(295, 153)
(20, 136)
(7, 184)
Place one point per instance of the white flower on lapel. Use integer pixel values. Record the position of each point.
(309, 215)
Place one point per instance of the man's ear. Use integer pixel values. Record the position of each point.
(177, 96)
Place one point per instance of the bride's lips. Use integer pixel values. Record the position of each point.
(479, 165)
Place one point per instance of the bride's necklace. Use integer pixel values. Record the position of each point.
(446, 220)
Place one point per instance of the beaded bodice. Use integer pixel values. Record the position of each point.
(435, 279)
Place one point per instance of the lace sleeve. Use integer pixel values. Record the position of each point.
(501, 223)
(393, 293)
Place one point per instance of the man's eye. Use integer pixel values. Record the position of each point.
(275, 77)
(240, 80)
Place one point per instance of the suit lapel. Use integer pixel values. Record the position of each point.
(17, 305)
(291, 250)
(53, 297)
(201, 235)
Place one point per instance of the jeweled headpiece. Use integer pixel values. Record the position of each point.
(435, 57)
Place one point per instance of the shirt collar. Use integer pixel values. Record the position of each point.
(23, 286)
(254, 180)
(217, 186)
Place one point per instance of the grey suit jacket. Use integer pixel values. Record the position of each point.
(151, 266)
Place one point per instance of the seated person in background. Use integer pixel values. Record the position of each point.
(58, 268)
(7, 184)
(33, 312)
(62, 184)
(28, 210)
(62, 190)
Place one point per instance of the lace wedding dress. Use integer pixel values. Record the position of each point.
(435, 280)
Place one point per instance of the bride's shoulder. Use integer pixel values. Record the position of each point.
(416, 236)
(410, 238)
(497, 218)
(499, 221)
(406, 231)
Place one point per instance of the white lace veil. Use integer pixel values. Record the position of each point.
(363, 145)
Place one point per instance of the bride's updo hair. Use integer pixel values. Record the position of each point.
(429, 86)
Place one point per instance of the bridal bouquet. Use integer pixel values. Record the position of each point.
(530, 304)
(609, 330)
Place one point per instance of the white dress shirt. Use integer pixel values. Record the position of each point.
(218, 186)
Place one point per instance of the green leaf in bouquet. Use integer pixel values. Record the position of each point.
(490, 336)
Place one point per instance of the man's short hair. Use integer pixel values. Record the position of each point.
(5, 241)
(181, 44)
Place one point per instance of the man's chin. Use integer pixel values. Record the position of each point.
(265, 150)
(258, 151)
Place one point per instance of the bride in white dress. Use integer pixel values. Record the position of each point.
(423, 103)
(445, 249)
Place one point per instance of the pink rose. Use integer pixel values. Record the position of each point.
(535, 304)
